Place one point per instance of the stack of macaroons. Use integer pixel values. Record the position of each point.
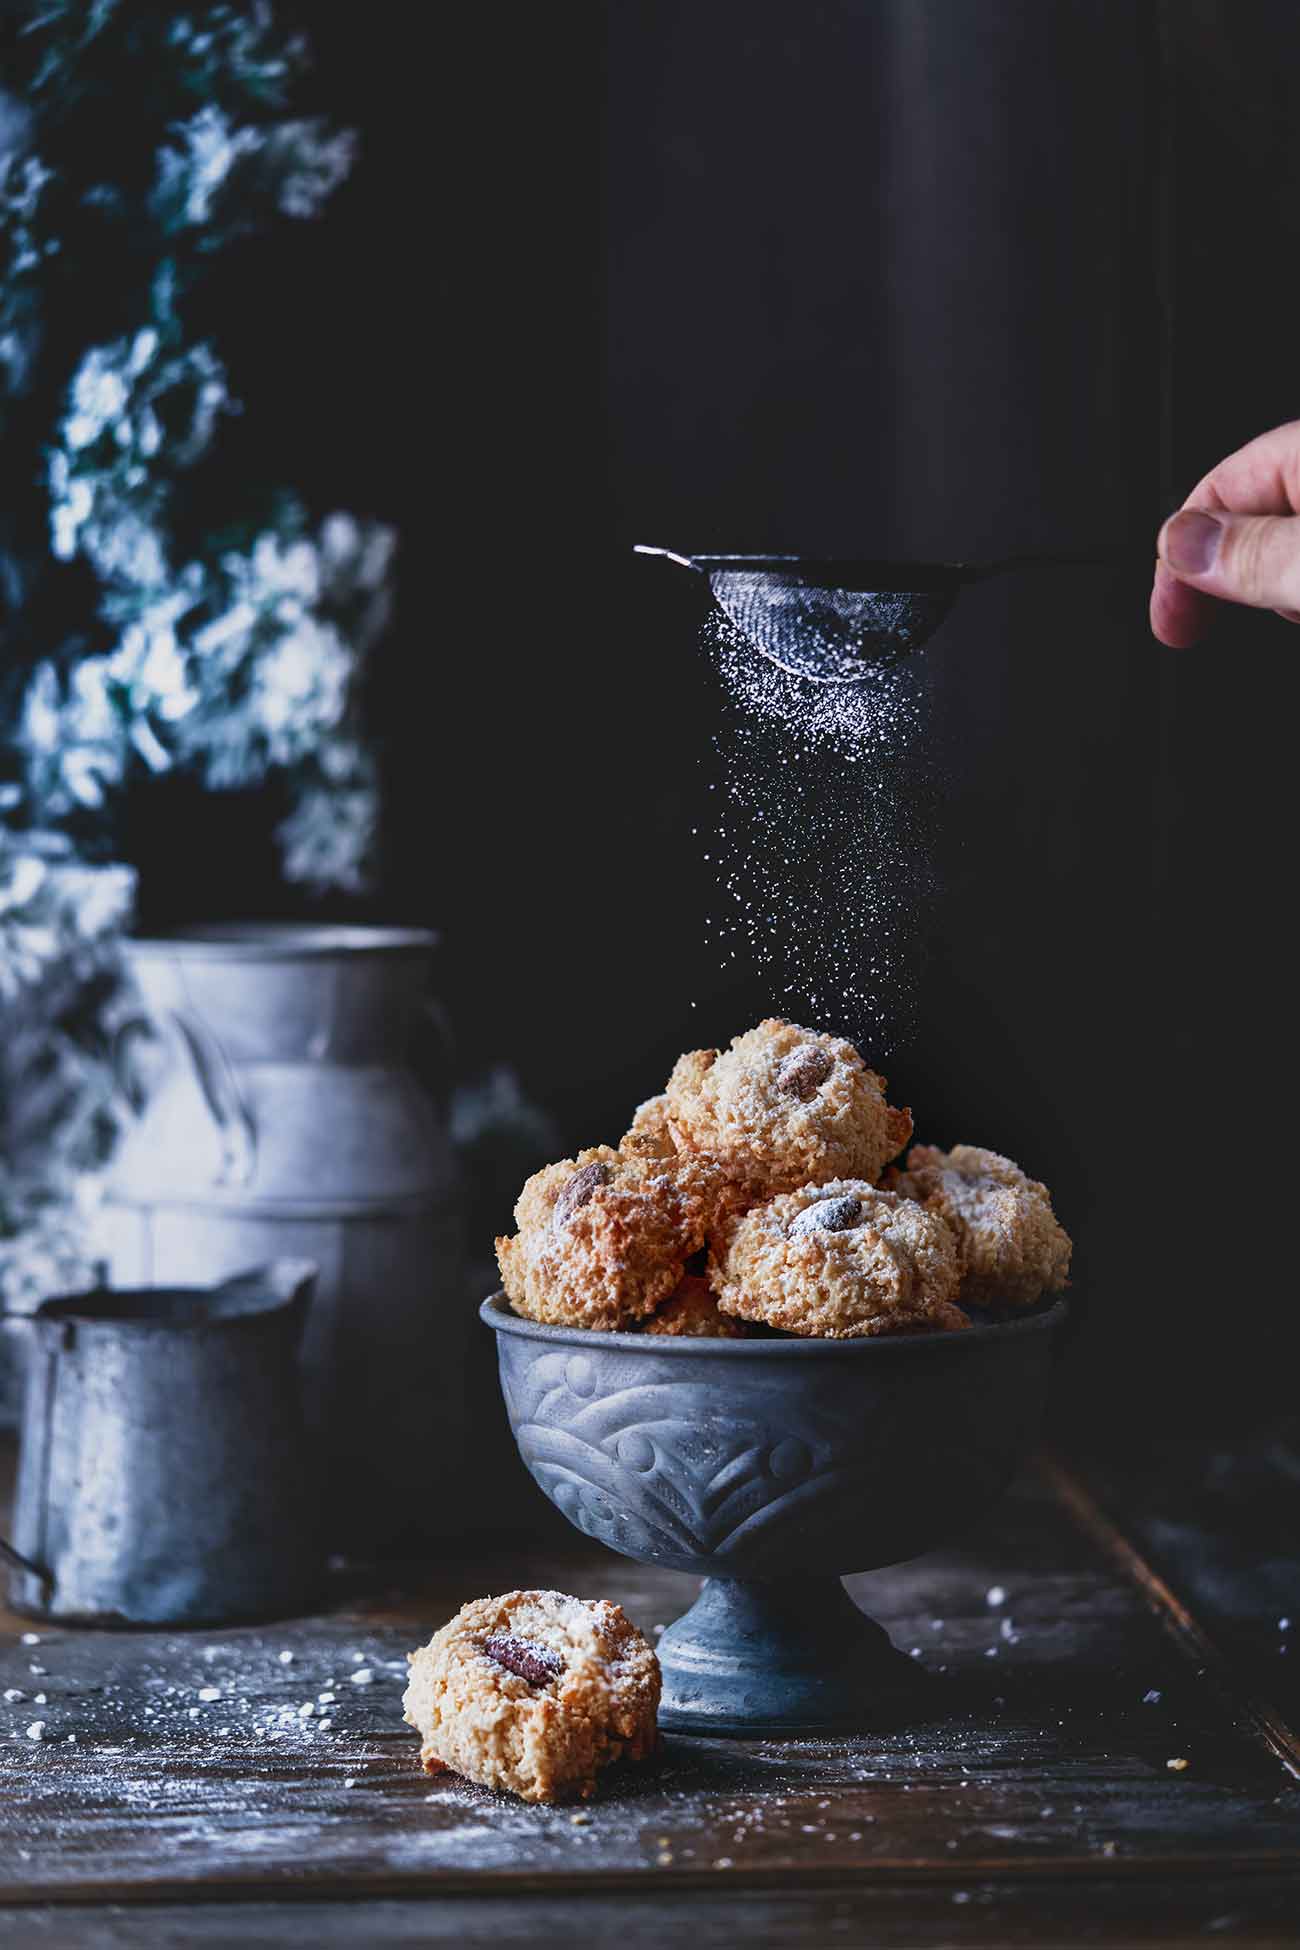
(752, 1196)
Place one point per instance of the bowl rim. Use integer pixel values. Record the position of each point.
(495, 1312)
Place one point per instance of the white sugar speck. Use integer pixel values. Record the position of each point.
(285, 1658)
(363, 1676)
(36, 1731)
(995, 1595)
(820, 846)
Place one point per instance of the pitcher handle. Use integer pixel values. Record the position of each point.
(11, 1556)
(218, 1083)
(291, 1280)
(21, 1563)
(124, 1038)
(226, 1103)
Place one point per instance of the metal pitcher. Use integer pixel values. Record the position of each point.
(163, 1475)
(279, 1114)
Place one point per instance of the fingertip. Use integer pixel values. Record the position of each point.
(1180, 616)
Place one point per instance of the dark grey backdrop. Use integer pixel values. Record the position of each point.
(938, 276)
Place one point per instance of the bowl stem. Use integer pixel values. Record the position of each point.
(785, 1655)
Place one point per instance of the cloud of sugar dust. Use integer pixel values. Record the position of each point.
(822, 840)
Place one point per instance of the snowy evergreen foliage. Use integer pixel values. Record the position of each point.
(159, 610)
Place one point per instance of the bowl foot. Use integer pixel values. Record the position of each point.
(786, 1655)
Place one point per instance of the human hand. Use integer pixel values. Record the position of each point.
(1235, 539)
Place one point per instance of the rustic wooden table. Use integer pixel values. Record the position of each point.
(1110, 1756)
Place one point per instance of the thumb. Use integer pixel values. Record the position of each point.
(1251, 559)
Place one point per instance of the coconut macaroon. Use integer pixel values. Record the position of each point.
(1012, 1249)
(837, 1261)
(534, 1692)
(712, 1194)
(648, 1135)
(602, 1240)
(784, 1107)
(692, 1311)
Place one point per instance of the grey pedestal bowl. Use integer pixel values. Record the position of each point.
(772, 1468)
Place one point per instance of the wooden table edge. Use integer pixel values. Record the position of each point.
(890, 1871)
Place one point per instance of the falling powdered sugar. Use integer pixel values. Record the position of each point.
(821, 837)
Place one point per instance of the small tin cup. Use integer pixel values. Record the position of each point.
(163, 1474)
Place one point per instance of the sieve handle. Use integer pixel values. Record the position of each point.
(670, 554)
(1084, 558)
(827, 572)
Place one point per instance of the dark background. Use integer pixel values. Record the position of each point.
(939, 277)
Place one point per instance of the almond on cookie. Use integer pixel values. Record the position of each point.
(838, 1261)
(784, 1107)
(534, 1693)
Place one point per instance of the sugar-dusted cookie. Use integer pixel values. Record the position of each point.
(712, 1193)
(782, 1108)
(1011, 1247)
(534, 1693)
(648, 1135)
(602, 1239)
(839, 1260)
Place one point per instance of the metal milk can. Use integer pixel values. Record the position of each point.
(164, 1475)
(279, 1116)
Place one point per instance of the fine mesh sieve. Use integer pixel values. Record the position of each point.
(837, 621)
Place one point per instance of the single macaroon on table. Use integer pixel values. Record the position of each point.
(773, 1468)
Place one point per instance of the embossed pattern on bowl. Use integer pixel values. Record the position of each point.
(767, 1458)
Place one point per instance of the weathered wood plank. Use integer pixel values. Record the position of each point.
(1171, 1914)
(1221, 1526)
(1045, 1753)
